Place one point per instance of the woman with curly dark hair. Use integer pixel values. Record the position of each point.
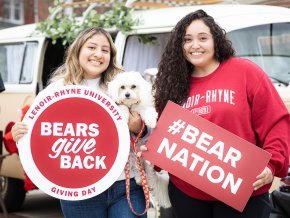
(198, 70)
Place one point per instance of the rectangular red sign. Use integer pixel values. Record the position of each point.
(206, 156)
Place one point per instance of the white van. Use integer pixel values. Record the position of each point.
(260, 33)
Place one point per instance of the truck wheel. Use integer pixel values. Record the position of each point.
(12, 192)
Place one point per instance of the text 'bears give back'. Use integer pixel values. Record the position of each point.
(77, 145)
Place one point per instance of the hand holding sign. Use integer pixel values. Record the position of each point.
(264, 178)
(67, 138)
(205, 155)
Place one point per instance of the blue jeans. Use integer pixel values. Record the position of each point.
(112, 203)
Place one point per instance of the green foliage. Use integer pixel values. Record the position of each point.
(66, 27)
(120, 17)
(147, 39)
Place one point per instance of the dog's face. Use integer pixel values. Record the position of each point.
(129, 88)
(129, 93)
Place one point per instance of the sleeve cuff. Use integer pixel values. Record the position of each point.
(270, 166)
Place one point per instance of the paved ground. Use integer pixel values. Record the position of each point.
(11, 216)
(37, 205)
(40, 205)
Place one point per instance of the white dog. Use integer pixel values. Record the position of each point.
(133, 93)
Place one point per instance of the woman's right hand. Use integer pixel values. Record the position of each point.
(18, 130)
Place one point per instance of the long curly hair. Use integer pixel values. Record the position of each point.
(174, 71)
(72, 72)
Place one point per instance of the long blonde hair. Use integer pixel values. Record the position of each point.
(72, 72)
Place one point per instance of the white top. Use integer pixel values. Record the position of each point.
(93, 83)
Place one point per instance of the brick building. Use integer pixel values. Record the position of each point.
(19, 12)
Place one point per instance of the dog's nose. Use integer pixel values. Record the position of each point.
(127, 95)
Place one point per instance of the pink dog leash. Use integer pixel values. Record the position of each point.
(142, 173)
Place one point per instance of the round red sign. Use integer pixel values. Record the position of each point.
(77, 144)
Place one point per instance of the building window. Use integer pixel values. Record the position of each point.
(13, 11)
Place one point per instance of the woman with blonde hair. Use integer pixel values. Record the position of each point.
(91, 61)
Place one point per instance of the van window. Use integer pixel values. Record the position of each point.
(268, 46)
(139, 56)
(17, 61)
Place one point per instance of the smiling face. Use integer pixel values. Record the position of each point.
(94, 56)
(198, 46)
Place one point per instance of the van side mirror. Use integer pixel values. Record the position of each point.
(2, 87)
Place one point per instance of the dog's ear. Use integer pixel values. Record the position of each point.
(113, 90)
(145, 91)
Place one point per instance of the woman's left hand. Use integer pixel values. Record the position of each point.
(135, 122)
(264, 178)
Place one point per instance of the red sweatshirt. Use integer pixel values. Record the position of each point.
(239, 97)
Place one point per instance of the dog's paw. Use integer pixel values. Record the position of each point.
(150, 118)
(125, 112)
(151, 122)
(138, 179)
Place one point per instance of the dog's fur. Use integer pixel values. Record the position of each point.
(158, 185)
(133, 93)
